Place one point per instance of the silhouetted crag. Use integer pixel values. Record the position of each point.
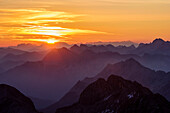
(13, 101)
(117, 95)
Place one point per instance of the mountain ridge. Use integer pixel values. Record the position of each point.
(126, 69)
(117, 95)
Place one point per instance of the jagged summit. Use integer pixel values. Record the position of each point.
(117, 95)
(158, 40)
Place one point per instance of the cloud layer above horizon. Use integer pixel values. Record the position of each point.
(77, 21)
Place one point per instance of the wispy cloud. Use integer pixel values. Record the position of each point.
(26, 22)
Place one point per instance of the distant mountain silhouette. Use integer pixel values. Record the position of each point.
(37, 48)
(117, 95)
(29, 47)
(11, 60)
(158, 46)
(103, 48)
(5, 51)
(129, 69)
(121, 43)
(13, 101)
(27, 56)
(60, 69)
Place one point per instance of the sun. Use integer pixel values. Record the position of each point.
(51, 41)
(48, 41)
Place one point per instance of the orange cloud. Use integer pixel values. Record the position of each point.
(23, 22)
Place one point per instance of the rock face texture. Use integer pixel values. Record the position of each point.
(117, 95)
(13, 101)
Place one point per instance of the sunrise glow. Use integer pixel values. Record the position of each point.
(58, 56)
(84, 21)
(49, 41)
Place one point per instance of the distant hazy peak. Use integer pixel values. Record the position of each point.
(158, 40)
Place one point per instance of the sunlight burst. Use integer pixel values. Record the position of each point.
(49, 41)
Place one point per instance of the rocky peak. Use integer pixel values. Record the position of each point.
(117, 95)
(158, 41)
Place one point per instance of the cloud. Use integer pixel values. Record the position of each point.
(39, 22)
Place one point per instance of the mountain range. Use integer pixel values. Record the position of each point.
(114, 95)
(50, 77)
(117, 95)
(58, 67)
(157, 46)
(130, 70)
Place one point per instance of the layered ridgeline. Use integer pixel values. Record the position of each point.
(13, 101)
(64, 67)
(154, 55)
(117, 95)
(157, 46)
(130, 69)
(5, 51)
(60, 69)
(11, 60)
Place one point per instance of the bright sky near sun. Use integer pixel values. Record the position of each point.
(76, 21)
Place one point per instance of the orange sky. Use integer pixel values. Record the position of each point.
(75, 21)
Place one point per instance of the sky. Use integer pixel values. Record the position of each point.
(82, 21)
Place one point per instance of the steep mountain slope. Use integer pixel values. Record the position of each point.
(129, 69)
(117, 95)
(13, 101)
